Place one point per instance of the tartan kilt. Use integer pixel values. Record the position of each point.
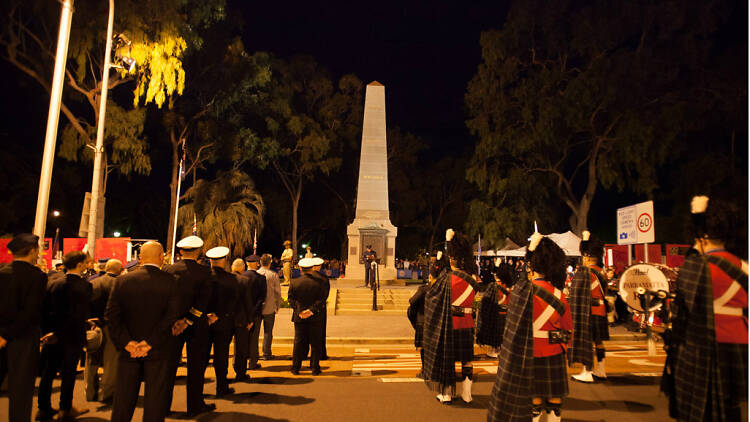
(418, 334)
(732, 360)
(550, 376)
(463, 343)
(599, 328)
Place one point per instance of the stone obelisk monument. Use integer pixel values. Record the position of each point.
(372, 222)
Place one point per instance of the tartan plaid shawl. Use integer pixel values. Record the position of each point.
(581, 345)
(437, 343)
(488, 320)
(697, 371)
(512, 392)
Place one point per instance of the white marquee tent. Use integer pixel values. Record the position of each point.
(567, 241)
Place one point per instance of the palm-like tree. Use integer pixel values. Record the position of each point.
(228, 210)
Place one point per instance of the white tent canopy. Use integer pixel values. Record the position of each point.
(567, 241)
(496, 250)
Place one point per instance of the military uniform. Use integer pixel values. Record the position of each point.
(22, 288)
(194, 282)
(224, 298)
(306, 293)
(143, 306)
(252, 294)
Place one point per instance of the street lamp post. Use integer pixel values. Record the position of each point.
(99, 149)
(45, 178)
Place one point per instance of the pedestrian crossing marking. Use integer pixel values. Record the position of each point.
(412, 379)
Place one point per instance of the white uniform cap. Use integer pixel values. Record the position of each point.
(217, 252)
(306, 262)
(190, 242)
(317, 261)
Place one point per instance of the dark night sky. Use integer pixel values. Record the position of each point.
(423, 52)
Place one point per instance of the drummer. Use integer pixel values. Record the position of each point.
(589, 308)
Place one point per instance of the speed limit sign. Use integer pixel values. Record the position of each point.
(635, 224)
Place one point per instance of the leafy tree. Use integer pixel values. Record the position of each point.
(160, 31)
(207, 122)
(597, 99)
(306, 119)
(228, 210)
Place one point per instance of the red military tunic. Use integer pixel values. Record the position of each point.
(597, 293)
(545, 321)
(729, 301)
(462, 296)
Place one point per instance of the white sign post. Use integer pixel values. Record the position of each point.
(635, 224)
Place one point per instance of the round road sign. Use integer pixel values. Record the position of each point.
(645, 222)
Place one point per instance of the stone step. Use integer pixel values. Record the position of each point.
(355, 311)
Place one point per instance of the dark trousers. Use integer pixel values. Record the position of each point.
(323, 324)
(369, 274)
(196, 338)
(306, 334)
(62, 357)
(155, 374)
(20, 360)
(106, 357)
(241, 346)
(220, 337)
(268, 321)
(253, 352)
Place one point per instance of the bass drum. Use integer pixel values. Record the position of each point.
(651, 277)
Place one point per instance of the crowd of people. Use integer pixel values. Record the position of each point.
(538, 320)
(135, 320)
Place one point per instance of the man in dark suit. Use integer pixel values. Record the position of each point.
(67, 308)
(253, 294)
(194, 291)
(106, 355)
(22, 287)
(307, 298)
(317, 273)
(141, 312)
(221, 316)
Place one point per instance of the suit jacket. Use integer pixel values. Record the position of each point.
(101, 287)
(305, 292)
(22, 290)
(67, 302)
(194, 283)
(224, 298)
(252, 296)
(143, 306)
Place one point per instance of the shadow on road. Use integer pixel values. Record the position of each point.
(593, 405)
(279, 380)
(236, 416)
(258, 397)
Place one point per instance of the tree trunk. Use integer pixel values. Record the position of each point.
(173, 188)
(295, 209)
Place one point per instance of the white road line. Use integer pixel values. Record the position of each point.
(413, 379)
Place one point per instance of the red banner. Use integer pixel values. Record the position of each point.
(619, 257)
(654, 253)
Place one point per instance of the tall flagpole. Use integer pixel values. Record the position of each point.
(177, 207)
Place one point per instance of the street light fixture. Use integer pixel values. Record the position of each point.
(55, 213)
(99, 150)
(116, 234)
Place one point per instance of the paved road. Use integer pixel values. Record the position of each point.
(375, 383)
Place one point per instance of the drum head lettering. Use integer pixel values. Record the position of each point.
(647, 276)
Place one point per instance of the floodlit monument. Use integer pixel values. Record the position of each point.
(372, 222)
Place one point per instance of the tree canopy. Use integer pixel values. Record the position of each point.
(563, 107)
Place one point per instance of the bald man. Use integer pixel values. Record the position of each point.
(106, 355)
(140, 314)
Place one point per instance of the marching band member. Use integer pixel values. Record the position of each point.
(532, 375)
(449, 324)
(494, 307)
(588, 305)
(710, 324)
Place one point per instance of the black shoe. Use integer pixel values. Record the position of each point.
(254, 366)
(295, 371)
(241, 378)
(316, 371)
(203, 409)
(224, 392)
(270, 357)
(325, 357)
(45, 414)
